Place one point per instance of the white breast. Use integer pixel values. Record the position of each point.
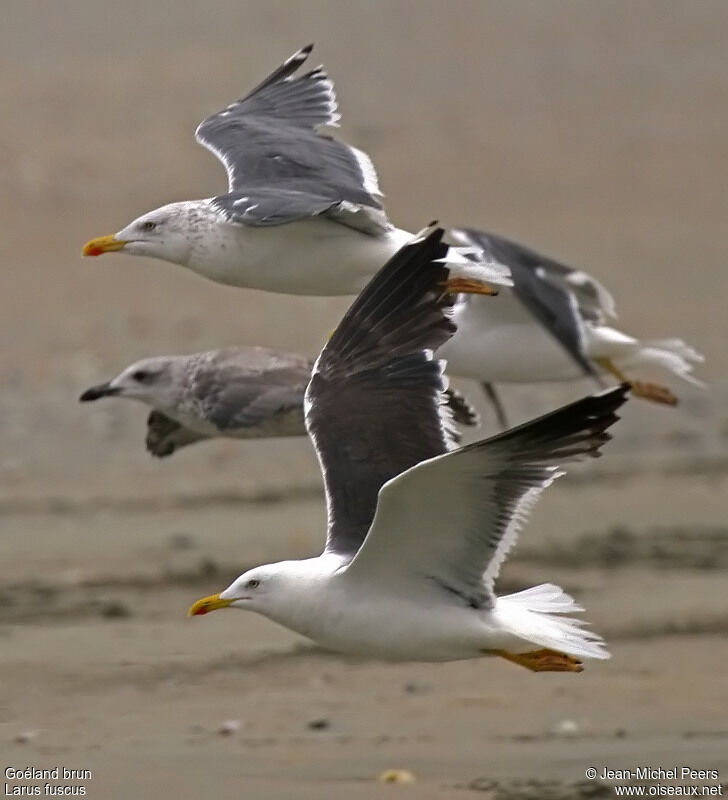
(312, 257)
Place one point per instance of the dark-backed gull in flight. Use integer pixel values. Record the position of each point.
(504, 342)
(234, 392)
(303, 215)
(302, 212)
(416, 535)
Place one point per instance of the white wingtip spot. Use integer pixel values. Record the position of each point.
(300, 55)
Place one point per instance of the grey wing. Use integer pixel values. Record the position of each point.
(262, 207)
(553, 305)
(269, 142)
(453, 519)
(373, 405)
(269, 410)
(240, 388)
(165, 435)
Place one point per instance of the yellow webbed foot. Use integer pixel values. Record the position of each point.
(644, 389)
(653, 392)
(468, 286)
(542, 660)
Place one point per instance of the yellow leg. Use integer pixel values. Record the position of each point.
(469, 286)
(541, 660)
(644, 389)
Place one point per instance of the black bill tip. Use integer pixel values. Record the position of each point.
(97, 392)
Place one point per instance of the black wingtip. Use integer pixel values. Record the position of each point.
(574, 431)
(299, 57)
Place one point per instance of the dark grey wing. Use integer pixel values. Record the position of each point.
(165, 436)
(269, 142)
(250, 388)
(594, 301)
(452, 520)
(373, 405)
(553, 305)
(260, 206)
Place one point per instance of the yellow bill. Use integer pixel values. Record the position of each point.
(101, 245)
(207, 604)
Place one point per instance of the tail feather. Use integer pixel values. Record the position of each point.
(533, 615)
(672, 355)
(677, 347)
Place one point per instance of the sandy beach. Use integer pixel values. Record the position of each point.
(596, 132)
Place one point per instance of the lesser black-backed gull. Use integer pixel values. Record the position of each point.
(552, 325)
(416, 535)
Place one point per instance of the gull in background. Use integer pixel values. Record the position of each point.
(552, 325)
(416, 534)
(234, 392)
(302, 215)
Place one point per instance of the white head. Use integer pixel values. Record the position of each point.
(279, 591)
(168, 233)
(157, 382)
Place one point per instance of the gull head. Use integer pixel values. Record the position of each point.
(166, 233)
(158, 382)
(253, 590)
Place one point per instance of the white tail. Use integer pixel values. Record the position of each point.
(671, 355)
(532, 615)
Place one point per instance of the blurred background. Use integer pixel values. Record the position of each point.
(595, 132)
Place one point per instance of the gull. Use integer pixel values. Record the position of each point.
(302, 214)
(416, 534)
(552, 325)
(234, 392)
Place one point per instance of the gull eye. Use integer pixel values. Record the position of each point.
(141, 376)
(252, 584)
(148, 227)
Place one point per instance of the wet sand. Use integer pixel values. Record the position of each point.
(595, 132)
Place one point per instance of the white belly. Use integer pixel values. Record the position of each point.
(499, 341)
(311, 257)
(390, 628)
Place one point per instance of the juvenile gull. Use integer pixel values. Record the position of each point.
(416, 535)
(303, 216)
(234, 392)
(504, 342)
(302, 213)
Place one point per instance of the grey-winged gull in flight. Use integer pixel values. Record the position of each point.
(416, 534)
(234, 392)
(303, 215)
